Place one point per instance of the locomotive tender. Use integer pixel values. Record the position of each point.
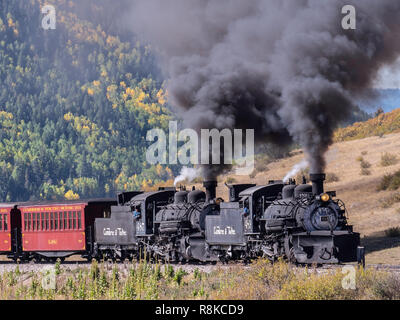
(302, 223)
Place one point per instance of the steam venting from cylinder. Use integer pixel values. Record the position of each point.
(317, 180)
(211, 190)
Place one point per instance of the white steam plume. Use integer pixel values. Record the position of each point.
(296, 169)
(187, 174)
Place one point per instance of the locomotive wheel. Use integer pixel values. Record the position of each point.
(37, 259)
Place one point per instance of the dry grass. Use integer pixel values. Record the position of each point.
(390, 200)
(331, 177)
(261, 281)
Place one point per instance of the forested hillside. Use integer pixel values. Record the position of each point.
(381, 124)
(75, 103)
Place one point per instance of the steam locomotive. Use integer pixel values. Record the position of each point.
(302, 223)
(299, 222)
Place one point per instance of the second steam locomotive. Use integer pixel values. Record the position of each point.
(301, 223)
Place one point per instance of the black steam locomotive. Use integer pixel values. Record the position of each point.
(300, 222)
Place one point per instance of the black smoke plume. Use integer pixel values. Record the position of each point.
(285, 68)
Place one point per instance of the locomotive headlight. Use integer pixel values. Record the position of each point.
(325, 197)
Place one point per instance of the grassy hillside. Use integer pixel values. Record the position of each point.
(384, 123)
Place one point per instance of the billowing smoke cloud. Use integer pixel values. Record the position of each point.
(284, 68)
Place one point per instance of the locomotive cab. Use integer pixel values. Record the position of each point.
(256, 200)
(148, 204)
(229, 232)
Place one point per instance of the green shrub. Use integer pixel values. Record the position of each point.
(261, 166)
(331, 177)
(303, 173)
(253, 174)
(230, 180)
(365, 164)
(365, 172)
(391, 200)
(392, 232)
(390, 182)
(388, 159)
(387, 288)
(179, 276)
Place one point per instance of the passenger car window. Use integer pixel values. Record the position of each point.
(79, 220)
(60, 215)
(65, 220)
(55, 220)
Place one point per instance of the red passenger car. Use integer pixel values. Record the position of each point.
(59, 229)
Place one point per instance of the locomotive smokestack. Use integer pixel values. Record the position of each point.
(317, 180)
(211, 192)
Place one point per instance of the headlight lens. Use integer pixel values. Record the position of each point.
(325, 197)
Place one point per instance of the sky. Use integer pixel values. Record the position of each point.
(388, 85)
